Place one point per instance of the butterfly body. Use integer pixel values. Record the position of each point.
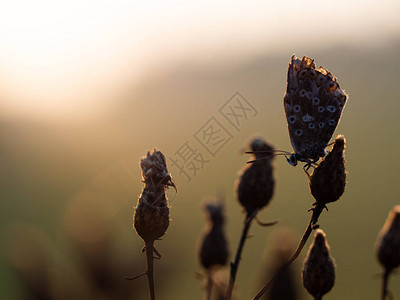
(313, 106)
(294, 158)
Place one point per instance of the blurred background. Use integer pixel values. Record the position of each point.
(87, 87)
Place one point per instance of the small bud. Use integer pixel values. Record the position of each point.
(213, 250)
(328, 180)
(388, 244)
(318, 272)
(255, 185)
(151, 218)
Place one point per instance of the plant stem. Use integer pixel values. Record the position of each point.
(385, 282)
(209, 284)
(317, 210)
(235, 265)
(149, 246)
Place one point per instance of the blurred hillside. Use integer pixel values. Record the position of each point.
(48, 166)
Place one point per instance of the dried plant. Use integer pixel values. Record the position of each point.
(254, 190)
(327, 183)
(255, 185)
(151, 217)
(388, 247)
(328, 180)
(318, 272)
(213, 251)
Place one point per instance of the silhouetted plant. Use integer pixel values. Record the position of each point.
(388, 247)
(151, 217)
(213, 251)
(254, 190)
(327, 183)
(318, 272)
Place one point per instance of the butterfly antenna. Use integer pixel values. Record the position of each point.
(269, 151)
(265, 157)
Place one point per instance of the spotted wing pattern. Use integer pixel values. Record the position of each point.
(313, 106)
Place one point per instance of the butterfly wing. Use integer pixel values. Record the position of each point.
(313, 106)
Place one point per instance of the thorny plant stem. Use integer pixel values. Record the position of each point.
(385, 282)
(209, 284)
(149, 247)
(317, 210)
(235, 265)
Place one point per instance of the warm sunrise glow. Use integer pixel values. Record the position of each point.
(91, 90)
(72, 56)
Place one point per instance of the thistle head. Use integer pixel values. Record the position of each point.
(388, 244)
(154, 170)
(255, 184)
(261, 149)
(151, 217)
(318, 272)
(213, 248)
(328, 180)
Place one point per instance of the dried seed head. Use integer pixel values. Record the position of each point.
(261, 148)
(154, 170)
(328, 180)
(151, 222)
(318, 272)
(151, 218)
(388, 244)
(255, 185)
(213, 250)
(214, 212)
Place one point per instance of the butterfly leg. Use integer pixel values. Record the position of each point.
(306, 167)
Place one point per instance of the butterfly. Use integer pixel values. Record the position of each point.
(313, 105)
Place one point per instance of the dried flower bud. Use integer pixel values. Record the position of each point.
(328, 180)
(214, 247)
(255, 185)
(318, 272)
(154, 170)
(388, 244)
(151, 218)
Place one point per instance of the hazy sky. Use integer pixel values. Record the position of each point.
(69, 56)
